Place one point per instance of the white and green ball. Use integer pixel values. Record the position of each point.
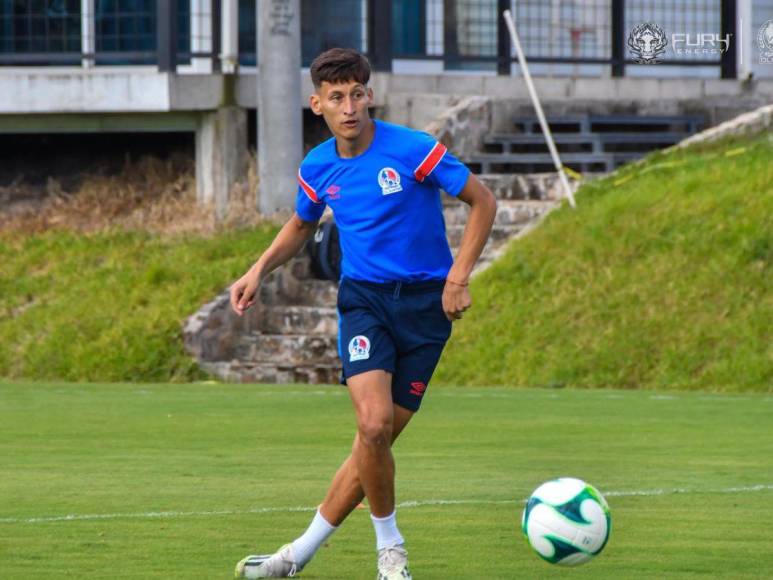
(566, 521)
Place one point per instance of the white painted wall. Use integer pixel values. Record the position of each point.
(79, 91)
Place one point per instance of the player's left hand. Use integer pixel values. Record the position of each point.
(456, 300)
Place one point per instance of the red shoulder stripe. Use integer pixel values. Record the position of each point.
(312, 195)
(430, 162)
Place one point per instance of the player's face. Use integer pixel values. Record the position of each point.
(344, 107)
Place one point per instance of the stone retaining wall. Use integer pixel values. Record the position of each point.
(747, 124)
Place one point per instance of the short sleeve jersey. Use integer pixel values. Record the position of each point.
(386, 203)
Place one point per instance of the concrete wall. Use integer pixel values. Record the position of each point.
(716, 100)
(146, 90)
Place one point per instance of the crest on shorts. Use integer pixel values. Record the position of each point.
(389, 180)
(359, 348)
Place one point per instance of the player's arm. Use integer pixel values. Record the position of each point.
(483, 210)
(287, 243)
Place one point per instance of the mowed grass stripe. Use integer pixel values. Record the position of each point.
(133, 449)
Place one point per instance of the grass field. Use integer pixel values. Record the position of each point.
(180, 481)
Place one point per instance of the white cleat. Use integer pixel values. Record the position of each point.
(393, 564)
(279, 565)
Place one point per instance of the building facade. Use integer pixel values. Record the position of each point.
(176, 65)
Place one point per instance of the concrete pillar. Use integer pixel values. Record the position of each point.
(280, 121)
(221, 155)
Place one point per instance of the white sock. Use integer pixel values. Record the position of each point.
(315, 535)
(387, 533)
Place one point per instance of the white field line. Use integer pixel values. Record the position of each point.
(402, 505)
(516, 394)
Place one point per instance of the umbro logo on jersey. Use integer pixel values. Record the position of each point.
(332, 191)
(389, 180)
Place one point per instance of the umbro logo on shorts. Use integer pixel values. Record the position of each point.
(418, 388)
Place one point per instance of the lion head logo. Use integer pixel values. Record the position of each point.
(765, 40)
(647, 41)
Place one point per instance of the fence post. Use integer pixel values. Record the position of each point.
(380, 35)
(450, 40)
(745, 38)
(166, 35)
(728, 59)
(88, 39)
(617, 31)
(215, 28)
(229, 37)
(503, 39)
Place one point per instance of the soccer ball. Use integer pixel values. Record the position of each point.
(566, 521)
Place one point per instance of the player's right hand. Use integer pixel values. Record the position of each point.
(243, 293)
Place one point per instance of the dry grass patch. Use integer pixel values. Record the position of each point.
(150, 194)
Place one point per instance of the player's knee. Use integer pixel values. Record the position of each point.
(375, 430)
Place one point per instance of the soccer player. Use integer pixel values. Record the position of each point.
(399, 292)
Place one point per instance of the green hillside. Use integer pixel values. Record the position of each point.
(661, 278)
(109, 306)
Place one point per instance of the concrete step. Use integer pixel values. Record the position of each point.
(510, 162)
(287, 349)
(573, 138)
(239, 372)
(575, 142)
(498, 234)
(524, 186)
(314, 320)
(284, 289)
(611, 123)
(508, 212)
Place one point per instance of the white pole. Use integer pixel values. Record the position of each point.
(229, 56)
(744, 40)
(538, 107)
(88, 40)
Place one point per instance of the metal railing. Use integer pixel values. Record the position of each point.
(464, 34)
(54, 32)
(470, 33)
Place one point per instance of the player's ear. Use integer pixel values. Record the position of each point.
(370, 97)
(315, 104)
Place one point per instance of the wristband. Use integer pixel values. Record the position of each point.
(457, 283)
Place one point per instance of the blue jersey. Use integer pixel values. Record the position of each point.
(386, 203)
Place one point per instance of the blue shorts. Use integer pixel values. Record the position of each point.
(398, 327)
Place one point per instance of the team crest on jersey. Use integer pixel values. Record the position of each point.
(389, 180)
(359, 348)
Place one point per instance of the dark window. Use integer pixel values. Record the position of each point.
(324, 24)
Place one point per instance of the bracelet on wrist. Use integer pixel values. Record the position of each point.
(456, 283)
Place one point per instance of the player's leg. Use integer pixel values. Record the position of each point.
(343, 496)
(371, 394)
(345, 492)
